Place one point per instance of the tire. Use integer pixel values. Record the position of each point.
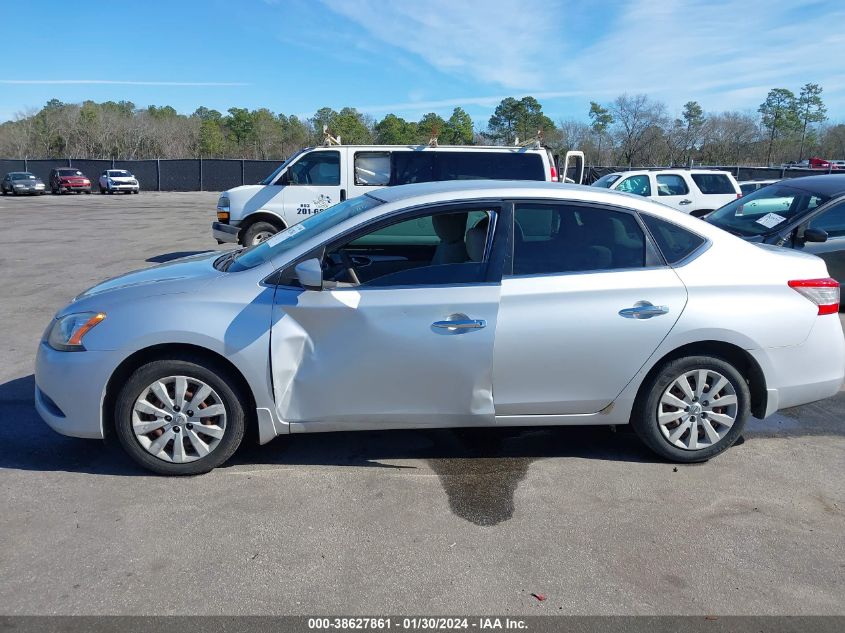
(136, 192)
(102, 191)
(659, 438)
(87, 192)
(256, 231)
(223, 390)
(4, 190)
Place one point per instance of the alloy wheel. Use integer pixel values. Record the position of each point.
(697, 410)
(179, 419)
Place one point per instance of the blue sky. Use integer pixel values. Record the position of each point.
(413, 57)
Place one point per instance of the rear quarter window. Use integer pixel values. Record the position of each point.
(713, 183)
(674, 242)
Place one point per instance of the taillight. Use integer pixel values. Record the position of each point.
(823, 292)
(553, 172)
(738, 196)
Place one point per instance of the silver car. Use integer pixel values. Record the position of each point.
(446, 305)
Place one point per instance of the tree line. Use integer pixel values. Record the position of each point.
(629, 130)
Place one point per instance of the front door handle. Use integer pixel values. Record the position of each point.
(685, 201)
(643, 310)
(460, 323)
(343, 195)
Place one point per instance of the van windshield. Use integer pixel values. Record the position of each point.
(269, 179)
(302, 232)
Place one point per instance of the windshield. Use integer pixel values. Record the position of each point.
(119, 173)
(269, 179)
(26, 176)
(302, 232)
(70, 172)
(606, 181)
(764, 210)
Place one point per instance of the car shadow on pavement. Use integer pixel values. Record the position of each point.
(29, 444)
(169, 257)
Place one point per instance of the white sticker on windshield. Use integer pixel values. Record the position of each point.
(296, 228)
(771, 220)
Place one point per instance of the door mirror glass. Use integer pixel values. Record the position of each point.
(815, 235)
(310, 274)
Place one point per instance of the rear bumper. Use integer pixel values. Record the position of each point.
(225, 232)
(805, 373)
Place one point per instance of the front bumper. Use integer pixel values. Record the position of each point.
(69, 187)
(225, 232)
(69, 389)
(123, 187)
(29, 190)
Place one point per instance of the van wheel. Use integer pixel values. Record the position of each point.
(259, 232)
(693, 409)
(180, 417)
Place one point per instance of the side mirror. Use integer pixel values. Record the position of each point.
(310, 274)
(815, 235)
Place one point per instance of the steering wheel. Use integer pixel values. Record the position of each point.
(350, 268)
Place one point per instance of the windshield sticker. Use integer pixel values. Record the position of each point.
(288, 233)
(771, 220)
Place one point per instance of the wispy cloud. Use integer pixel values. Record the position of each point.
(494, 41)
(109, 82)
(725, 53)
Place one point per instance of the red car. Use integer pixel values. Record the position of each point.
(821, 163)
(64, 179)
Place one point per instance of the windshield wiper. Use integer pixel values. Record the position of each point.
(223, 262)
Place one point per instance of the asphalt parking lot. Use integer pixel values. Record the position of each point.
(385, 522)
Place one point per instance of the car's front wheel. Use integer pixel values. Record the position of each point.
(693, 409)
(180, 417)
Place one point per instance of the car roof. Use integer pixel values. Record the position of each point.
(669, 170)
(828, 185)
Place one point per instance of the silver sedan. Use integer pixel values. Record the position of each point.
(445, 305)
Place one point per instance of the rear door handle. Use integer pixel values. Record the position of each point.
(463, 324)
(643, 310)
(343, 195)
(685, 201)
(460, 323)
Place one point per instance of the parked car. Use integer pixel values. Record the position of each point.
(806, 214)
(693, 191)
(318, 177)
(749, 186)
(64, 179)
(18, 182)
(444, 305)
(117, 180)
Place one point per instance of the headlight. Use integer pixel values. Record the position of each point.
(67, 332)
(223, 203)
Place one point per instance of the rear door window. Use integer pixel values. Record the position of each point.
(551, 238)
(671, 185)
(713, 183)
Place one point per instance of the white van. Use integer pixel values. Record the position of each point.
(319, 177)
(693, 191)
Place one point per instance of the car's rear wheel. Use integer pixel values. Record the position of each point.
(693, 409)
(259, 232)
(180, 417)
